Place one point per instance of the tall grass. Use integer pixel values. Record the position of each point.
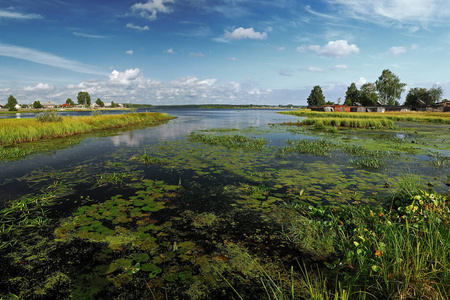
(378, 123)
(26, 130)
(425, 117)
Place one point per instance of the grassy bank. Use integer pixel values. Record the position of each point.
(319, 123)
(26, 130)
(425, 117)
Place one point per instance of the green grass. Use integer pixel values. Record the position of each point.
(230, 141)
(338, 122)
(26, 130)
(423, 117)
(397, 251)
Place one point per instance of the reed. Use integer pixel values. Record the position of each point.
(423, 117)
(26, 130)
(320, 123)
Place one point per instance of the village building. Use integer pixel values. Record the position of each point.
(48, 104)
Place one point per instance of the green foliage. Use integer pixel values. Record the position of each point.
(49, 116)
(100, 102)
(37, 104)
(70, 102)
(12, 102)
(352, 95)
(368, 94)
(84, 98)
(389, 87)
(423, 97)
(316, 98)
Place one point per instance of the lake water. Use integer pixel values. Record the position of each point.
(153, 213)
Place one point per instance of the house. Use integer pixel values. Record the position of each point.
(380, 109)
(65, 105)
(49, 104)
(1, 106)
(17, 106)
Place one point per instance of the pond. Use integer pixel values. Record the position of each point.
(192, 209)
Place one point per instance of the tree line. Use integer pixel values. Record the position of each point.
(387, 90)
(83, 98)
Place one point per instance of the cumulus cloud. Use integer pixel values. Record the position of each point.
(127, 77)
(245, 33)
(301, 49)
(151, 9)
(130, 52)
(397, 50)
(6, 14)
(140, 28)
(337, 49)
(169, 51)
(361, 81)
(39, 87)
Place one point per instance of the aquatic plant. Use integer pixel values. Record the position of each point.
(322, 123)
(230, 141)
(321, 147)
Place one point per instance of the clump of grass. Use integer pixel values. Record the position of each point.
(321, 123)
(398, 252)
(150, 160)
(25, 130)
(230, 141)
(321, 147)
(367, 162)
(48, 116)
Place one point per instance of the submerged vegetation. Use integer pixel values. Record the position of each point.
(225, 214)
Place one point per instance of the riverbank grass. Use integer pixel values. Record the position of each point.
(33, 129)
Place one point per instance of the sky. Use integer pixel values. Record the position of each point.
(166, 52)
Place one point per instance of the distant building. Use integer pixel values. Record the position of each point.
(49, 104)
(65, 105)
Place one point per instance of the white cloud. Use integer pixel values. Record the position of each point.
(140, 28)
(46, 59)
(39, 87)
(314, 69)
(245, 33)
(169, 51)
(130, 52)
(127, 77)
(383, 12)
(233, 58)
(337, 49)
(5, 14)
(361, 81)
(397, 50)
(91, 36)
(301, 49)
(150, 9)
(341, 67)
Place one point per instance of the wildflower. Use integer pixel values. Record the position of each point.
(381, 214)
(378, 253)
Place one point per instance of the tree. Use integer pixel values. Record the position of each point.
(417, 97)
(84, 98)
(368, 94)
(389, 87)
(114, 104)
(37, 104)
(435, 94)
(11, 104)
(352, 95)
(100, 102)
(70, 102)
(316, 98)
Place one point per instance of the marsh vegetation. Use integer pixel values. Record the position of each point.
(233, 209)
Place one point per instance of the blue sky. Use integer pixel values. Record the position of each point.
(223, 51)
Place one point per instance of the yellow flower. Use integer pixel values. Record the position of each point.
(378, 253)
